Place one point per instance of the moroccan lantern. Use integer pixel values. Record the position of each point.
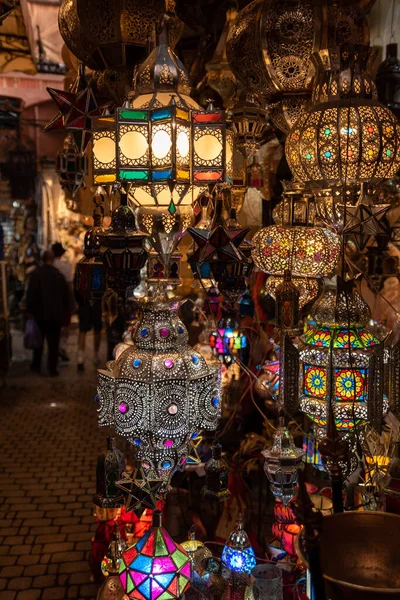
(160, 393)
(308, 288)
(217, 472)
(71, 167)
(282, 463)
(238, 554)
(346, 136)
(155, 566)
(287, 312)
(90, 271)
(219, 75)
(110, 465)
(249, 123)
(104, 151)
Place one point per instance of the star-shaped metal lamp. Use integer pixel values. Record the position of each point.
(139, 491)
(364, 221)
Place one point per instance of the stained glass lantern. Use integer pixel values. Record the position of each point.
(110, 465)
(287, 311)
(337, 333)
(238, 554)
(282, 463)
(197, 552)
(346, 136)
(160, 393)
(217, 472)
(155, 567)
(104, 150)
(71, 167)
(123, 248)
(388, 80)
(90, 271)
(212, 147)
(228, 340)
(157, 273)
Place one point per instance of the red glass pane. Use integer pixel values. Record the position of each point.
(208, 176)
(206, 117)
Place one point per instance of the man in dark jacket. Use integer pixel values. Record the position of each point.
(47, 301)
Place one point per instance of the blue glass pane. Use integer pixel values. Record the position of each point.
(205, 271)
(164, 580)
(142, 563)
(241, 561)
(145, 588)
(161, 113)
(97, 278)
(161, 175)
(142, 541)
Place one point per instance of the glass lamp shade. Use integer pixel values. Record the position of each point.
(305, 251)
(212, 147)
(238, 554)
(104, 151)
(71, 167)
(160, 392)
(346, 136)
(160, 195)
(90, 271)
(307, 286)
(228, 340)
(282, 462)
(155, 567)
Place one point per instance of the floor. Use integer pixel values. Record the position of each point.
(49, 443)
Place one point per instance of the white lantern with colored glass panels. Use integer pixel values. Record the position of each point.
(104, 151)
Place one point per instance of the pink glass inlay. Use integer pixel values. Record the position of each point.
(168, 443)
(164, 332)
(163, 565)
(138, 577)
(171, 546)
(186, 570)
(123, 408)
(122, 579)
(156, 590)
(168, 363)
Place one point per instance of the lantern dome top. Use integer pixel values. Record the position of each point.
(162, 71)
(341, 306)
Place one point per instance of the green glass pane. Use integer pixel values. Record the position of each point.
(172, 208)
(133, 115)
(129, 584)
(165, 596)
(133, 175)
(161, 548)
(183, 581)
(179, 558)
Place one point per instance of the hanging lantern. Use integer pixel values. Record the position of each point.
(249, 123)
(90, 271)
(197, 553)
(155, 566)
(282, 462)
(388, 80)
(212, 147)
(110, 465)
(160, 392)
(123, 248)
(346, 136)
(228, 340)
(338, 324)
(238, 554)
(287, 312)
(104, 151)
(217, 472)
(71, 167)
(112, 588)
(255, 175)
(308, 288)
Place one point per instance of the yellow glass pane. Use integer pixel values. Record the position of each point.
(104, 150)
(208, 147)
(133, 145)
(182, 114)
(182, 174)
(105, 178)
(161, 144)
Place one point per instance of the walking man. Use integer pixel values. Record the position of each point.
(48, 301)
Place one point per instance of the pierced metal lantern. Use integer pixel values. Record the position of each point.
(388, 80)
(249, 124)
(282, 462)
(307, 286)
(287, 310)
(110, 466)
(90, 271)
(160, 392)
(104, 151)
(155, 566)
(217, 472)
(212, 147)
(238, 554)
(337, 338)
(157, 273)
(71, 167)
(346, 136)
(123, 249)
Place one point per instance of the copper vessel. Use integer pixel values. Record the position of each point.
(359, 555)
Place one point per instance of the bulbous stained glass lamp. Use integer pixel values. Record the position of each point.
(336, 336)
(160, 393)
(155, 567)
(346, 136)
(282, 462)
(238, 554)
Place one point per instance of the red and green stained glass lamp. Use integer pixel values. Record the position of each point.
(155, 568)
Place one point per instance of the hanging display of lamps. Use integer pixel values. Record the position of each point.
(160, 393)
(346, 136)
(155, 567)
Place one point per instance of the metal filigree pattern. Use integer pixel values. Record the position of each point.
(307, 287)
(305, 251)
(395, 379)
(376, 387)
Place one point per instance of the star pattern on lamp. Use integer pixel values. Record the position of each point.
(365, 221)
(139, 491)
(6, 7)
(76, 109)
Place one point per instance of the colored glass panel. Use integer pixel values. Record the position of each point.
(133, 115)
(142, 563)
(182, 114)
(161, 113)
(149, 546)
(145, 588)
(166, 596)
(161, 548)
(186, 570)
(346, 339)
(182, 174)
(161, 175)
(350, 384)
(241, 561)
(205, 176)
(165, 579)
(179, 558)
(129, 584)
(314, 381)
(105, 178)
(123, 577)
(169, 542)
(183, 582)
(130, 555)
(138, 578)
(156, 589)
(207, 117)
(163, 565)
(133, 175)
(367, 338)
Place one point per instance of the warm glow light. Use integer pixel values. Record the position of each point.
(133, 145)
(161, 144)
(182, 144)
(208, 147)
(104, 150)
